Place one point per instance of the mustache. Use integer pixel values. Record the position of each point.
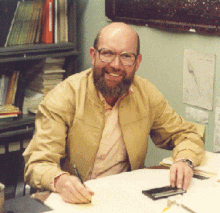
(112, 70)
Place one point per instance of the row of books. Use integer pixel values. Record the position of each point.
(33, 21)
(50, 74)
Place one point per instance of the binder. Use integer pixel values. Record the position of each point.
(47, 23)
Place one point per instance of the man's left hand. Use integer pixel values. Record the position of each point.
(180, 175)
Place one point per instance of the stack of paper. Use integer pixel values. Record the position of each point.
(123, 193)
(209, 166)
(202, 197)
(118, 193)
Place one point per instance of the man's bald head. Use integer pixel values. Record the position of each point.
(115, 28)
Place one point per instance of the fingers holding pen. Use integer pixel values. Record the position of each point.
(72, 190)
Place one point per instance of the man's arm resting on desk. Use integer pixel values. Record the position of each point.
(72, 190)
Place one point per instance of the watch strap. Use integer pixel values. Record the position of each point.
(189, 162)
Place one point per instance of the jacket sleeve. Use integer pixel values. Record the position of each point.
(47, 148)
(171, 131)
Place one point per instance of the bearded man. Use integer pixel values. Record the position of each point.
(100, 120)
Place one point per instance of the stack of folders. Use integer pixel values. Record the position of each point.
(209, 166)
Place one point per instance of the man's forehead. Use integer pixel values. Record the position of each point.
(118, 37)
(115, 30)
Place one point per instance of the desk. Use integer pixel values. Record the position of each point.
(26, 204)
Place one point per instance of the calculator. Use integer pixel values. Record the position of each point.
(163, 192)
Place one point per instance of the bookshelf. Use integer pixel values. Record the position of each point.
(22, 58)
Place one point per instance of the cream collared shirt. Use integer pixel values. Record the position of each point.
(112, 157)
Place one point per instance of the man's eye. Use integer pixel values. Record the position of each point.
(127, 56)
(107, 53)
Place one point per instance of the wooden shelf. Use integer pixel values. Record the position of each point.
(37, 51)
(17, 129)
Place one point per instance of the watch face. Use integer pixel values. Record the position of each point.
(189, 162)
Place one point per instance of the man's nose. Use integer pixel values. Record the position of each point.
(116, 63)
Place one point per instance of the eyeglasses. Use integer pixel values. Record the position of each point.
(126, 58)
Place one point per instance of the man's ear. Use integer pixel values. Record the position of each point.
(138, 61)
(92, 55)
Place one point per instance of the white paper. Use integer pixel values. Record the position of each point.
(217, 127)
(198, 78)
(203, 196)
(123, 193)
(118, 193)
(197, 115)
(217, 138)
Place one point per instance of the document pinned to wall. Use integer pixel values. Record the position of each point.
(200, 116)
(198, 79)
(217, 126)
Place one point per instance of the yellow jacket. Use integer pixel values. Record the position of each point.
(70, 121)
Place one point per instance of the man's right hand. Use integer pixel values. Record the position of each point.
(72, 190)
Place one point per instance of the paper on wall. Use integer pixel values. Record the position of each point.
(198, 78)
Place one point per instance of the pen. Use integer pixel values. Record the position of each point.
(77, 173)
(79, 176)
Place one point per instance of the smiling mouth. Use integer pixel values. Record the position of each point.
(114, 75)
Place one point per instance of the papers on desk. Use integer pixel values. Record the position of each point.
(122, 193)
(202, 197)
(118, 193)
(209, 167)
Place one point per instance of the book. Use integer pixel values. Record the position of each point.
(17, 25)
(9, 108)
(12, 88)
(34, 23)
(25, 19)
(47, 22)
(4, 86)
(1, 89)
(7, 111)
(38, 29)
(71, 11)
(55, 21)
(49, 71)
(62, 21)
(31, 22)
(8, 11)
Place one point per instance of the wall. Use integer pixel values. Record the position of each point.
(162, 62)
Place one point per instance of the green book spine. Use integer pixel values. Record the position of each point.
(38, 28)
(31, 22)
(13, 40)
(25, 21)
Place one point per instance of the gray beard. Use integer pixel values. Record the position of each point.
(116, 92)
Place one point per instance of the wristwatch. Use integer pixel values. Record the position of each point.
(189, 162)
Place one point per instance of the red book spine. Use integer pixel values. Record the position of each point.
(47, 23)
